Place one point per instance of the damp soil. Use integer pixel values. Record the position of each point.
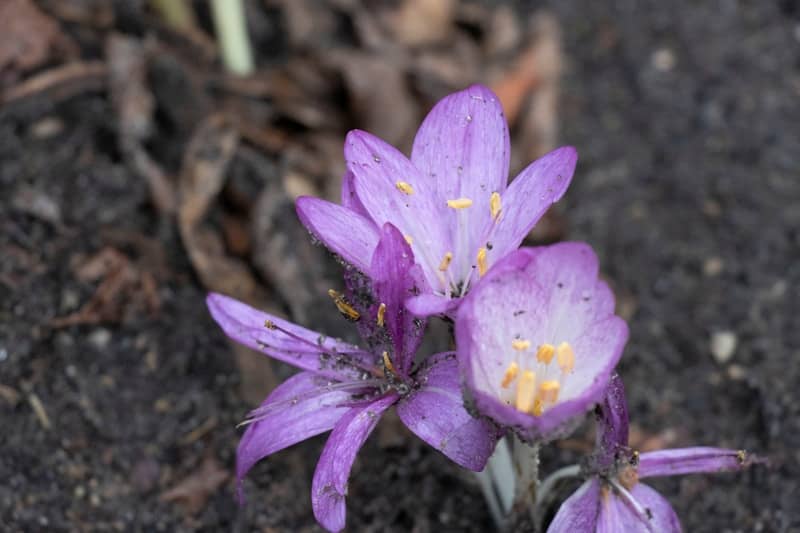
(685, 116)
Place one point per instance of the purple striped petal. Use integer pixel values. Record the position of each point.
(692, 461)
(435, 413)
(287, 342)
(432, 305)
(296, 410)
(463, 148)
(350, 198)
(345, 232)
(528, 197)
(579, 512)
(378, 168)
(640, 510)
(329, 487)
(396, 277)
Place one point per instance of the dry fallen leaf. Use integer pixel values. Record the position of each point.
(195, 489)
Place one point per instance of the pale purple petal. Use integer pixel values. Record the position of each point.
(329, 487)
(378, 168)
(555, 298)
(692, 461)
(642, 510)
(462, 147)
(579, 512)
(395, 278)
(350, 198)
(435, 413)
(528, 197)
(296, 410)
(345, 232)
(287, 342)
(432, 305)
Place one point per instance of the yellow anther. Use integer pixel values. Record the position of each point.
(526, 392)
(388, 363)
(538, 407)
(381, 314)
(548, 391)
(408, 239)
(445, 264)
(459, 203)
(495, 205)
(545, 353)
(343, 306)
(510, 375)
(269, 324)
(482, 266)
(520, 345)
(404, 187)
(566, 357)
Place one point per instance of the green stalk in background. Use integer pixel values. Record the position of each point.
(231, 29)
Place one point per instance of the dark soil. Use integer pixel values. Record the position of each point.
(686, 118)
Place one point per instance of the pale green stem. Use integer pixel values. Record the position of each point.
(231, 29)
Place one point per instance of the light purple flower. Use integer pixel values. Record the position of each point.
(537, 340)
(346, 388)
(449, 199)
(613, 499)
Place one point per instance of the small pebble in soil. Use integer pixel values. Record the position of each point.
(723, 344)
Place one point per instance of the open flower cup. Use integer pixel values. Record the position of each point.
(613, 498)
(347, 388)
(450, 199)
(538, 340)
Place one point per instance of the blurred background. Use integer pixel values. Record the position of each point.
(150, 151)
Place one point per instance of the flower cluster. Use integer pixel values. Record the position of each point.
(536, 337)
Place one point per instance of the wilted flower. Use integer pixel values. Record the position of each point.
(613, 499)
(537, 339)
(347, 388)
(449, 199)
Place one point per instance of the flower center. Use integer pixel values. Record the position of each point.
(536, 387)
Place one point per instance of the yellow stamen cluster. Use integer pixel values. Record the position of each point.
(482, 265)
(533, 394)
(445, 264)
(381, 314)
(459, 203)
(495, 205)
(404, 187)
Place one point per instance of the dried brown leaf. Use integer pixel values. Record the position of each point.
(195, 489)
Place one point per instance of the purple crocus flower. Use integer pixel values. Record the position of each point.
(613, 499)
(449, 199)
(537, 340)
(347, 388)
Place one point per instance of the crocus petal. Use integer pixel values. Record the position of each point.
(691, 461)
(579, 512)
(640, 510)
(378, 169)
(612, 424)
(329, 487)
(296, 410)
(350, 198)
(344, 231)
(431, 305)
(528, 197)
(554, 298)
(287, 342)
(395, 277)
(463, 147)
(435, 413)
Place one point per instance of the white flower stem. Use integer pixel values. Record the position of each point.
(498, 483)
(231, 29)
